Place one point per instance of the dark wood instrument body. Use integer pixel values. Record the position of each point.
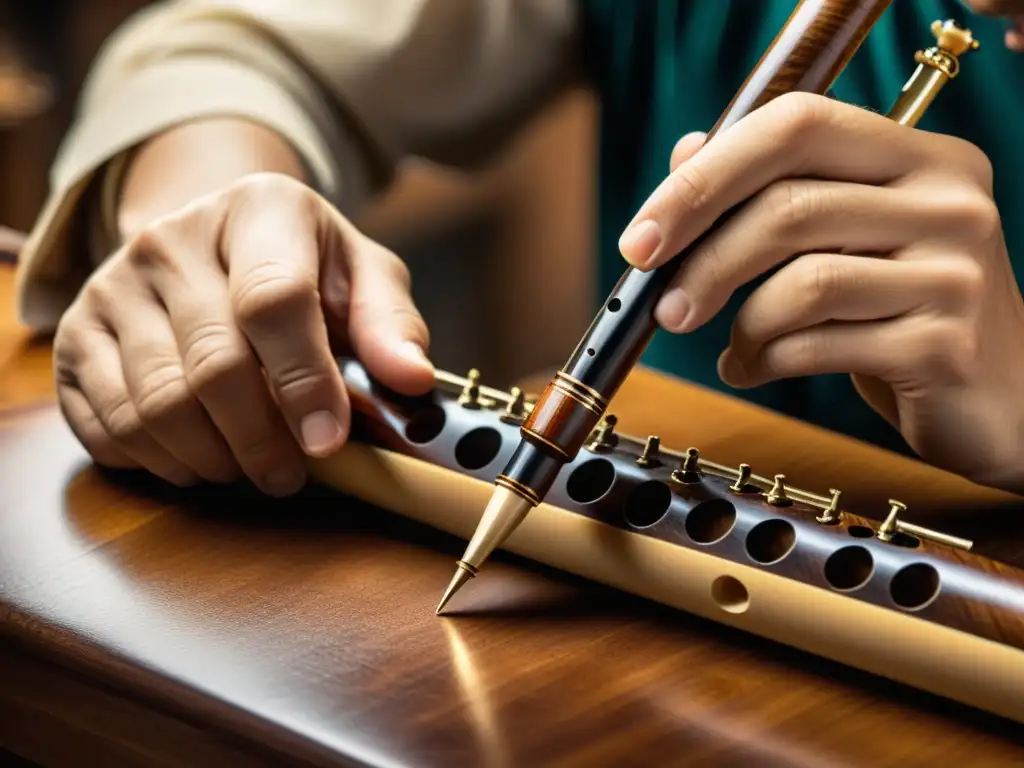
(934, 582)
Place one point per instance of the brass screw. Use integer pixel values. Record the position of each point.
(470, 397)
(832, 513)
(689, 469)
(649, 458)
(516, 409)
(777, 495)
(741, 482)
(604, 437)
(888, 526)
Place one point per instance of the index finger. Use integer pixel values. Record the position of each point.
(796, 135)
(272, 248)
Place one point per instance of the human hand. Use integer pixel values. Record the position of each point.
(1012, 10)
(200, 349)
(895, 271)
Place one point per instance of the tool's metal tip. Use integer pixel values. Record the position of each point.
(462, 575)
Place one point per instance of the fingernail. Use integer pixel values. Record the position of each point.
(639, 242)
(320, 431)
(410, 350)
(672, 310)
(284, 482)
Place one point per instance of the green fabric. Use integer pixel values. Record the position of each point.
(667, 67)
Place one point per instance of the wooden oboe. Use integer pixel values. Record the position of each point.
(810, 51)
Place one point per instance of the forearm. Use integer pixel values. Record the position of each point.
(195, 159)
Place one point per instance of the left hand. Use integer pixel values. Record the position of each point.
(897, 271)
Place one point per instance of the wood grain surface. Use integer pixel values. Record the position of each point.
(144, 626)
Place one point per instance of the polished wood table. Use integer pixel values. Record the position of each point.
(144, 626)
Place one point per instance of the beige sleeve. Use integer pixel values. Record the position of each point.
(353, 85)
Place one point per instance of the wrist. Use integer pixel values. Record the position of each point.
(189, 161)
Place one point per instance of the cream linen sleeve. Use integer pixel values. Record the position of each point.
(353, 85)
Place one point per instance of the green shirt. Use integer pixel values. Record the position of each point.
(664, 68)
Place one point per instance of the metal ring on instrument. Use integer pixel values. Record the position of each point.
(582, 394)
(518, 488)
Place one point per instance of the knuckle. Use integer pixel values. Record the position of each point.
(793, 204)
(822, 280)
(965, 280)
(270, 291)
(151, 249)
(973, 213)
(100, 295)
(299, 380)
(405, 318)
(689, 190)
(68, 346)
(976, 162)
(211, 358)
(802, 114)
(800, 353)
(272, 187)
(120, 419)
(399, 272)
(163, 393)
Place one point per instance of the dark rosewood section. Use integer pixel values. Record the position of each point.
(934, 582)
(807, 55)
(559, 423)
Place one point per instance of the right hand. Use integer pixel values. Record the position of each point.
(200, 350)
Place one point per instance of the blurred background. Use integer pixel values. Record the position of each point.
(484, 249)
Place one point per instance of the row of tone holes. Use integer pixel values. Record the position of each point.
(849, 568)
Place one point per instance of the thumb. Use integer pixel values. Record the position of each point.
(686, 148)
(386, 331)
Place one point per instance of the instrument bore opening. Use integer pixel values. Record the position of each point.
(590, 481)
(477, 448)
(425, 424)
(647, 504)
(860, 532)
(770, 541)
(730, 594)
(914, 586)
(710, 521)
(901, 539)
(849, 568)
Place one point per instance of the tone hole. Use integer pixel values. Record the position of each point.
(614, 305)
(770, 541)
(425, 424)
(590, 481)
(710, 521)
(849, 568)
(477, 448)
(730, 595)
(914, 586)
(647, 504)
(860, 532)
